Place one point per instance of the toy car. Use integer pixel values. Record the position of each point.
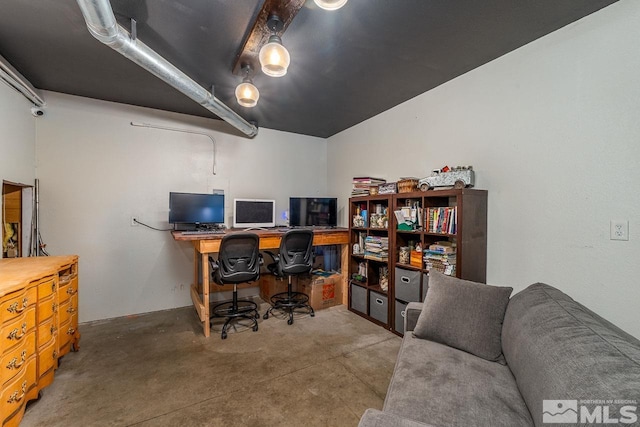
(457, 178)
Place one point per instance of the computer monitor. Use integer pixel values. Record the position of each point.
(313, 211)
(252, 213)
(196, 209)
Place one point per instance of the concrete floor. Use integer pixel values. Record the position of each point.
(159, 370)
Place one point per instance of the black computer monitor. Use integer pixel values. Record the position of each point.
(313, 211)
(199, 210)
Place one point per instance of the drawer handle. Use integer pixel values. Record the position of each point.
(54, 307)
(14, 362)
(55, 354)
(53, 286)
(15, 397)
(13, 308)
(13, 335)
(71, 310)
(71, 331)
(402, 313)
(71, 291)
(379, 301)
(405, 279)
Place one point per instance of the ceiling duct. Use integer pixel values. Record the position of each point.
(103, 26)
(17, 81)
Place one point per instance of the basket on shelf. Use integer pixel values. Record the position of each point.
(373, 190)
(407, 185)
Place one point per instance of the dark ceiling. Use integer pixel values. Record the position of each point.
(346, 66)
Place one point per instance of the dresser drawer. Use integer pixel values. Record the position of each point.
(47, 287)
(47, 358)
(68, 289)
(68, 309)
(15, 304)
(47, 308)
(46, 331)
(14, 392)
(13, 360)
(15, 331)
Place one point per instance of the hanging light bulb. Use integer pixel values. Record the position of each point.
(246, 93)
(274, 57)
(330, 4)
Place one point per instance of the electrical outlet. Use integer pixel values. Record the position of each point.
(619, 230)
(134, 218)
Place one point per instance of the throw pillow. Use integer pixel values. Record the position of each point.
(465, 315)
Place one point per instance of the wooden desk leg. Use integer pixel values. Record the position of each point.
(344, 266)
(205, 294)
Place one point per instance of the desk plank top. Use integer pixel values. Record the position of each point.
(269, 239)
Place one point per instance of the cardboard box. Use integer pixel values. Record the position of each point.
(323, 291)
(271, 285)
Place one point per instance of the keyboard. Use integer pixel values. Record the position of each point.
(199, 232)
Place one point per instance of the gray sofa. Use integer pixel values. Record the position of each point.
(555, 349)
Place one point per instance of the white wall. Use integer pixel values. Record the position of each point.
(17, 137)
(96, 171)
(553, 132)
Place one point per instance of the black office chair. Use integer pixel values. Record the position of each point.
(295, 258)
(238, 262)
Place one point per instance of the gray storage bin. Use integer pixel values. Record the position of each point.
(425, 285)
(407, 285)
(400, 308)
(358, 298)
(378, 304)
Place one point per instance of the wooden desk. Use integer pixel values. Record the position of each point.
(269, 239)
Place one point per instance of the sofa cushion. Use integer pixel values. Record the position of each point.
(440, 385)
(559, 350)
(464, 314)
(376, 418)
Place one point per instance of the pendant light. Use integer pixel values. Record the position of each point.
(246, 93)
(274, 57)
(330, 4)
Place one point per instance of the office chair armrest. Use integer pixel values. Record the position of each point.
(213, 264)
(274, 256)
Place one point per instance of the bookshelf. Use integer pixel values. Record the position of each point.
(370, 243)
(451, 222)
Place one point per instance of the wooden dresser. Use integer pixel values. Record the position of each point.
(38, 325)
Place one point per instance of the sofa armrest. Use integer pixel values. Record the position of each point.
(411, 314)
(376, 418)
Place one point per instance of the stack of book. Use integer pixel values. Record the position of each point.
(376, 248)
(441, 256)
(361, 185)
(442, 220)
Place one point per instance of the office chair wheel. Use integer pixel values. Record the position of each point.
(255, 327)
(266, 316)
(224, 335)
(312, 314)
(290, 321)
(257, 315)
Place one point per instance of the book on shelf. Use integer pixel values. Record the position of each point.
(361, 185)
(376, 248)
(444, 247)
(442, 262)
(442, 220)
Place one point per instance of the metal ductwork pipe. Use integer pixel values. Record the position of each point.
(103, 26)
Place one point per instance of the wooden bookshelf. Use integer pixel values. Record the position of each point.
(408, 281)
